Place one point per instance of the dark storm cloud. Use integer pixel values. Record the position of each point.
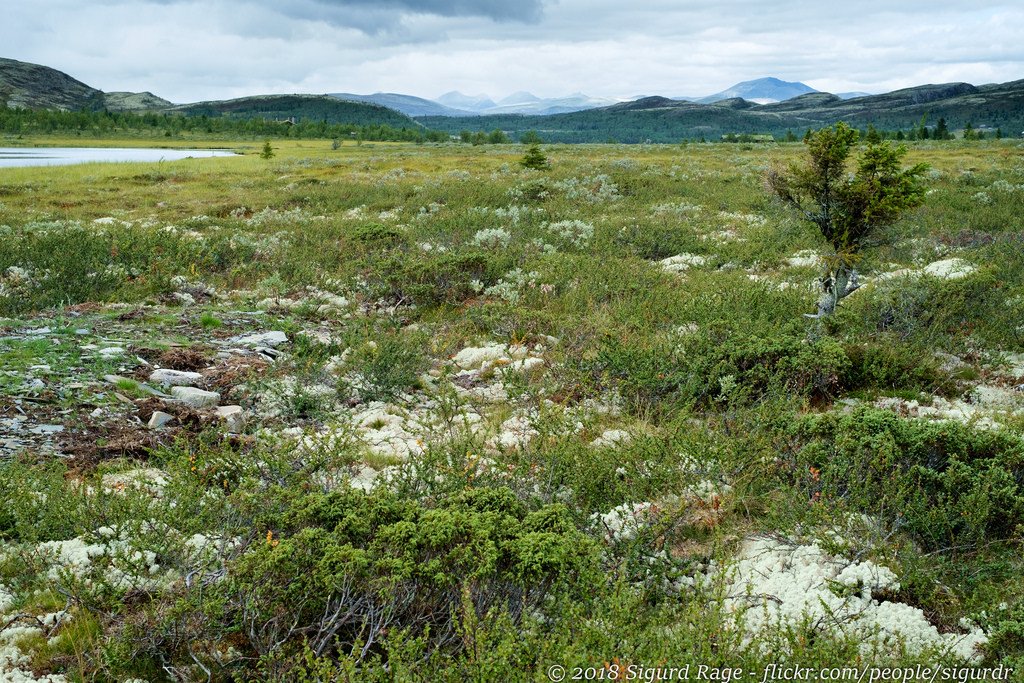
(498, 10)
(376, 15)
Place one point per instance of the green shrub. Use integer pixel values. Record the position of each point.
(347, 567)
(891, 366)
(389, 367)
(377, 237)
(947, 484)
(656, 241)
(443, 279)
(707, 367)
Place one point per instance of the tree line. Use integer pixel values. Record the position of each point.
(16, 121)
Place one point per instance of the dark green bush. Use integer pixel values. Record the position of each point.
(707, 366)
(891, 366)
(442, 279)
(377, 237)
(947, 484)
(346, 568)
(652, 241)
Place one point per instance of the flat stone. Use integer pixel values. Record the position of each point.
(47, 429)
(159, 419)
(195, 398)
(175, 378)
(262, 339)
(234, 418)
(112, 352)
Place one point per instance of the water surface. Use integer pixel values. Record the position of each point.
(62, 156)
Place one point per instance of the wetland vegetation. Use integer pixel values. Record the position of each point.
(397, 411)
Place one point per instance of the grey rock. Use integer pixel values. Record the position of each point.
(159, 419)
(47, 429)
(175, 378)
(234, 418)
(262, 339)
(195, 398)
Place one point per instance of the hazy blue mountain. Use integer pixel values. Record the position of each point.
(518, 98)
(761, 91)
(473, 103)
(407, 104)
(521, 102)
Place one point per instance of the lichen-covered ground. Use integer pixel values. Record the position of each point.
(416, 413)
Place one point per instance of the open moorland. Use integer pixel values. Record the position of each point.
(399, 412)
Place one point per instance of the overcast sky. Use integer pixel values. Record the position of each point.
(186, 51)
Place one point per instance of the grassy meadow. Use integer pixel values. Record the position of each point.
(515, 420)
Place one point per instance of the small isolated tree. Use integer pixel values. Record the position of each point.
(535, 159)
(268, 151)
(850, 210)
(530, 137)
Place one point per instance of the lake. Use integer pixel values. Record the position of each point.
(62, 156)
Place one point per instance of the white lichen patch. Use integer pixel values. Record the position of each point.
(803, 259)
(623, 522)
(782, 585)
(390, 431)
(987, 407)
(949, 269)
(515, 432)
(107, 558)
(488, 356)
(149, 480)
(682, 262)
(611, 438)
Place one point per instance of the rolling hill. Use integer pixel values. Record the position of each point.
(298, 107)
(33, 86)
(659, 119)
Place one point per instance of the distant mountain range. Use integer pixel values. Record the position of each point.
(457, 104)
(660, 119)
(760, 91)
(765, 105)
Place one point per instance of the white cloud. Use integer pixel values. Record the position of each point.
(187, 50)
